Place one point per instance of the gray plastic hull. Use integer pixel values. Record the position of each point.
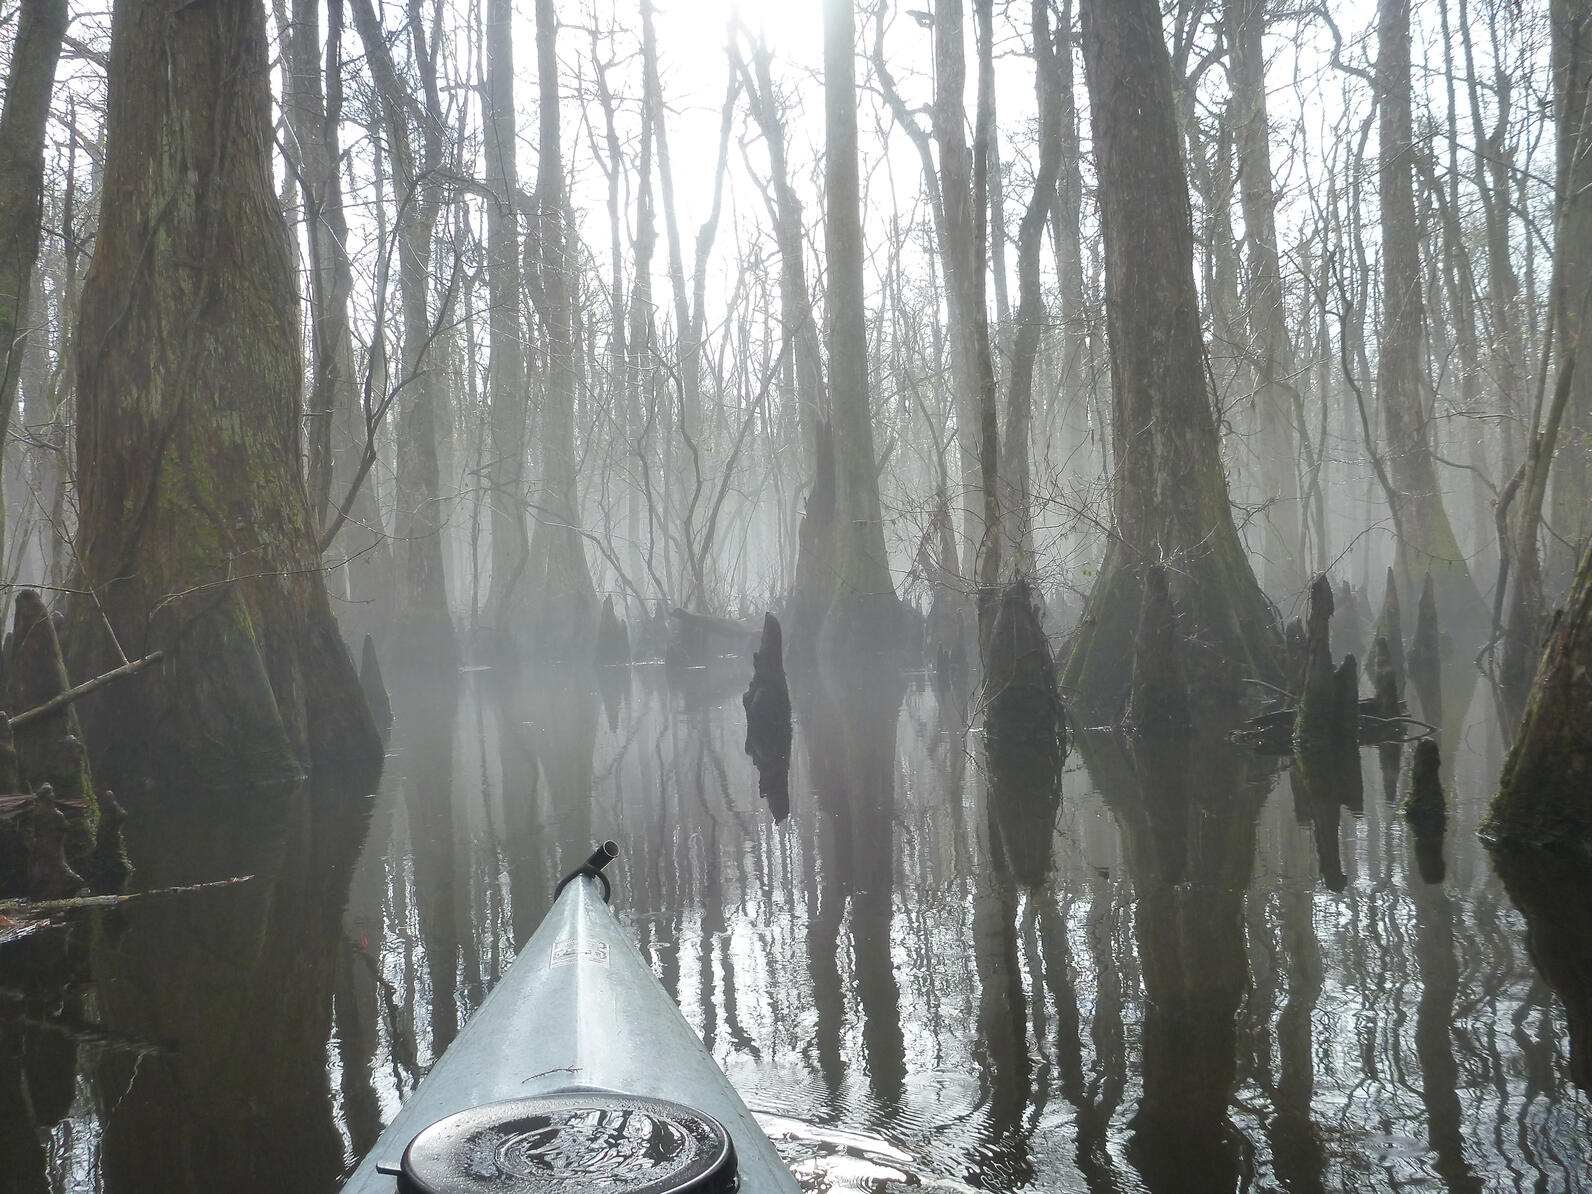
(580, 1007)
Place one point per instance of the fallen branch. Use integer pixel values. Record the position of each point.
(63, 699)
(39, 908)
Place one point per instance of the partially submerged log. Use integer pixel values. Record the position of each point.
(695, 638)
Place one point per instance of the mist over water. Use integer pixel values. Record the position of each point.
(915, 984)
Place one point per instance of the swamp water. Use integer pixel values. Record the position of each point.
(1192, 975)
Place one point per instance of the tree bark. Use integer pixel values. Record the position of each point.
(1572, 69)
(563, 600)
(803, 362)
(1015, 508)
(1544, 797)
(339, 432)
(1426, 538)
(1169, 492)
(196, 537)
(862, 613)
(1272, 352)
(423, 625)
(506, 389)
(957, 256)
(40, 27)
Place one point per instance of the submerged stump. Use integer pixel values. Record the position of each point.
(1425, 660)
(1390, 628)
(768, 719)
(1024, 728)
(613, 639)
(49, 749)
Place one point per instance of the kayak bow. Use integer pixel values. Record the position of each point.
(578, 1074)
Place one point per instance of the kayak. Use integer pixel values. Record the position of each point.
(577, 1074)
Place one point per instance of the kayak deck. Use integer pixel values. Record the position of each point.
(579, 1008)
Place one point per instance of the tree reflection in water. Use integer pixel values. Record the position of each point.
(1147, 985)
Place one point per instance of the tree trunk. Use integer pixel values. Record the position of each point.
(1276, 395)
(1426, 539)
(863, 612)
(196, 536)
(1030, 298)
(803, 361)
(40, 27)
(506, 391)
(1170, 495)
(1545, 794)
(423, 625)
(562, 596)
(340, 435)
(1572, 68)
(956, 256)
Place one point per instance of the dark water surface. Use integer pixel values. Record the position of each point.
(918, 984)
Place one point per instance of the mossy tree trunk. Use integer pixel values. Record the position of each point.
(1170, 497)
(195, 534)
(1426, 539)
(40, 27)
(1545, 794)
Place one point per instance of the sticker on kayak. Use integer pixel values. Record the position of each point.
(569, 951)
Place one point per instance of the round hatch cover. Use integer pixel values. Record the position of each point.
(584, 1142)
